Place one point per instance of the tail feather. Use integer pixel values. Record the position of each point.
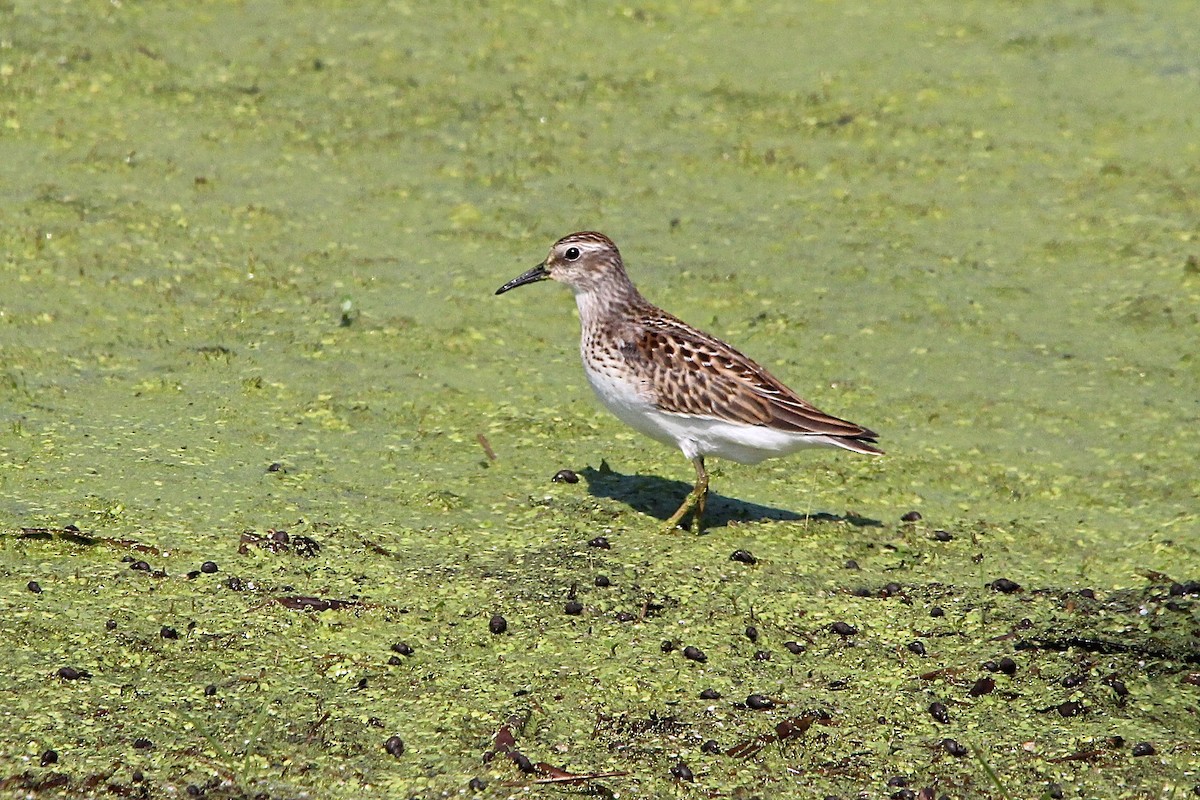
(856, 444)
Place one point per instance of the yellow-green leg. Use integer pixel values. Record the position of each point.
(695, 500)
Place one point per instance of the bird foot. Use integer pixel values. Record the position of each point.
(694, 502)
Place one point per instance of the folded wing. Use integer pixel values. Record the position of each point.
(694, 373)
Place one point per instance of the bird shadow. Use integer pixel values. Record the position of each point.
(659, 497)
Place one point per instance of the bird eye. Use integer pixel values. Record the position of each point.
(572, 254)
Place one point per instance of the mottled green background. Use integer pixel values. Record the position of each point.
(238, 234)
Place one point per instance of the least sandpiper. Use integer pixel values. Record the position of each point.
(676, 384)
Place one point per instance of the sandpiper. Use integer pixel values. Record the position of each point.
(676, 384)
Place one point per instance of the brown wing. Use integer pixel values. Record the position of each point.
(723, 383)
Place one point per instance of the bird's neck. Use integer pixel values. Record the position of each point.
(604, 303)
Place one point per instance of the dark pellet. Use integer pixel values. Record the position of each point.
(49, 757)
(603, 582)
(1055, 791)
(710, 694)
(394, 661)
(142, 743)
(477, 784)
(843, 628)
(942, 536)
(937, 611)
(497, 624)
(305, 547)
(275, 466)
(167, 632)
(209, 567)
(565, 476)
(666, 646)
(862, 591)
(939, 712)
(1088, 593)
(682, 772)
(1143, 749)
(573, 607)
(954, 748)
(394, 746)
(210, 690)
(795, 648)
(762, 655)
(983, 686)
(743, 556)
(110, 625)
(1070, 709)
(140, 565)
(1004, 585)
(72, 674)
(912, 516)
(759, 702)
(1008, 666)
(34, 587)
(403, 648)
(752, 633)
(917, 647)
(711, 748)
(600, 543)
(694, 654)
(892, 589)
(522, 761)
(850, 563)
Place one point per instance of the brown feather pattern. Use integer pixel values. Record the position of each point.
(666, 350)
(679, 369)
(671, 382)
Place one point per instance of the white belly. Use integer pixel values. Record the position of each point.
(631, 402)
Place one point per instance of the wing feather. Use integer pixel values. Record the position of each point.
(724, 384)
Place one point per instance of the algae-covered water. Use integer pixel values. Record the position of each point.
(249, 251)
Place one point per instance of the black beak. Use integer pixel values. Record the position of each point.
(538, 273)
